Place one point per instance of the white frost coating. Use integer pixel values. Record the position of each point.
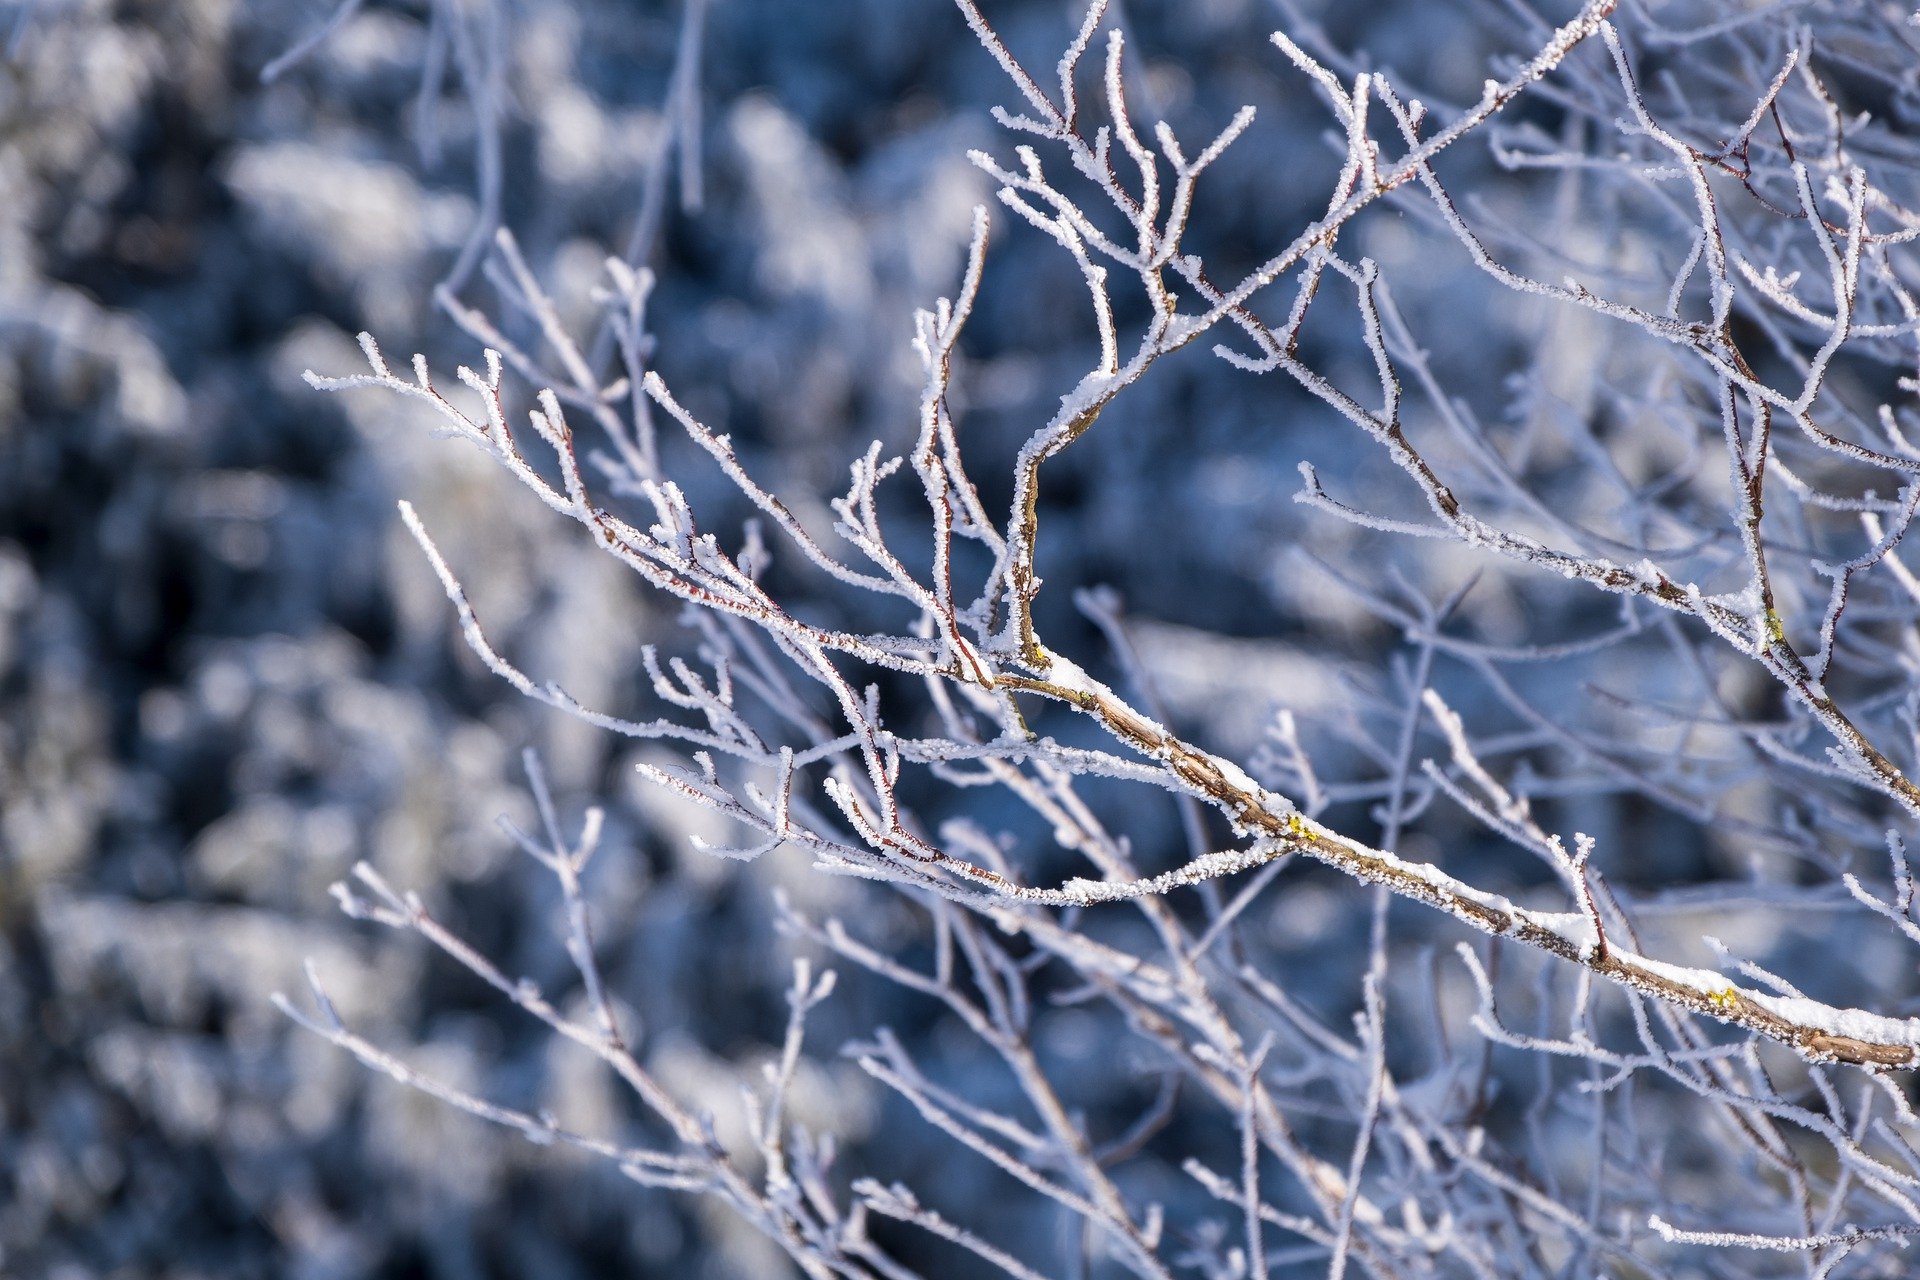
(1898, 1232)
(1854, 1024)
(1068, 674)
(1706, 981)
(1210, 866)
(1571, 927)
(1577, 929)
(1237, 778)
(1444, 885)
(1070, 677)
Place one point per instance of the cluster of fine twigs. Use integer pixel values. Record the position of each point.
(1757, 332)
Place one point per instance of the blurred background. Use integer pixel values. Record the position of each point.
(226, 674)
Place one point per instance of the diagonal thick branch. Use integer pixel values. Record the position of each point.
(1817, 1031)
